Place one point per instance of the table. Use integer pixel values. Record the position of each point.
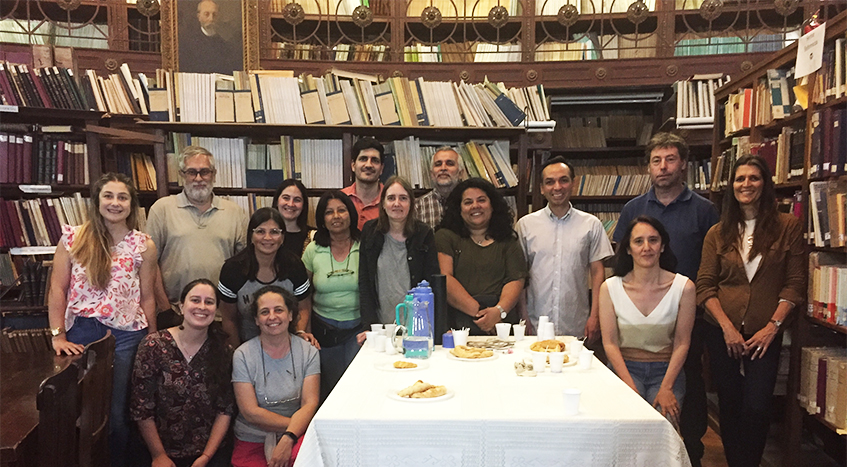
(21, 375)
(495, 419)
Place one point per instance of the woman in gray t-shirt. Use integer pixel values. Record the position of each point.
(276, 378)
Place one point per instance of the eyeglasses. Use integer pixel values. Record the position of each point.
(193, 173)
(274, 232)
(269, 403)
(339, 272)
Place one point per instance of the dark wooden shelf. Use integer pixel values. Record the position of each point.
(825, 423)
(829, 249)
(602, 199)
(607, 152)
(778, 125)
(832, 103)
(831, 326)
(790, 184)
(13, 190)
(45, 116)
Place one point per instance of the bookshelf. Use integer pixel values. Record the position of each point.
(818, 322)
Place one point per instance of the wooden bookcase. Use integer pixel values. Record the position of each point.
(806, 330)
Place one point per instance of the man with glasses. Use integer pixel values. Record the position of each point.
(195, 231)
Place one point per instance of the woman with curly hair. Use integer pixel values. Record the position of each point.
(479, 253)
(292, 202)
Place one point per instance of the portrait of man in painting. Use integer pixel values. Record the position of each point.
(210, 39)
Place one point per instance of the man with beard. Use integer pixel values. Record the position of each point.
(365, 191)
(446, 172)
(564, 250)
(202, 40)
(687, 217)
(195, 231)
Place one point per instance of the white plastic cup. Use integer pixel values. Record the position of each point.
(503, 330)
(557, 361)
(570, 396)
(585, 359)
(377, 328)
(390, 330)
(549, 330)
(575, 347)
(519, 330)
(460, 337)
(389, 346)
(369, 339)
(541, 321)
(379, 342)
(539, 361)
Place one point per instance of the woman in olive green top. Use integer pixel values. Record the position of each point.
(479, 253)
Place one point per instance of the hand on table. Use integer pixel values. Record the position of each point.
(486, 318)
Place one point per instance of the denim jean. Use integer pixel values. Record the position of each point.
(336, 359)
(744, 400)
(648, 378)
(88, 330)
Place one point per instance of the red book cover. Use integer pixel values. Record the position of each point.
(51, 220)
(11, 97)
(746, 120)
(826, 141)
(16, 143)
(820, 400)
(832, 296)
(42, 91)
(4, 157)
(25, 167)
(15, 223)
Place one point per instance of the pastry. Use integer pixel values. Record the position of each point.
(419, 386)
(421, 390)
(401, 364)
(462, 351)
(550, 345)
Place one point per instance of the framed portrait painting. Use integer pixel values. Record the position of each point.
(209, 36)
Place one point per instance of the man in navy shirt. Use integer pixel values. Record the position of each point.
(687, 217)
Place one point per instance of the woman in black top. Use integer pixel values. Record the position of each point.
(397, 253)
(293, 203)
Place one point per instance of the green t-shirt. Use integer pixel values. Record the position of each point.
(336, 297)
(482, 270)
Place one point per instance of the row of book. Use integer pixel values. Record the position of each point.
(828, 154)
(43, 157)
(698, 175)
(25, 340)
(738, 111)
(48, 87)
(612, 179)
(695, 100)
(832, 76)
(137, 166)
(827, 288)
(784, 155)
(339, 52)
(823, 384)
(828, 213)
(595, 131)
(775, 96)
(34, 278)
(738, 43)
(38, 222)
(339, 98)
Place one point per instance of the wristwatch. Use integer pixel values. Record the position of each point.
(56, 331)
(292, 436)
(776, 323)
(502, 311)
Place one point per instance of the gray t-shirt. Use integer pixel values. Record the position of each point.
(284, 381)
(392, 279)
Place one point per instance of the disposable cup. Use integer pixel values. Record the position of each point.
(557, 361)
(549, 330)
(376, 328)
(390, 330)
(539, 361)
(389, 346)
(575, 347)
(503, 330)
(370, 337)
(570, 396)
(585, 359)
(542, 320)
(460, 337)
(379, 342)
(519, 330)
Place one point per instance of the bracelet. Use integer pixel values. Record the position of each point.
(291, 435)
(300, 332)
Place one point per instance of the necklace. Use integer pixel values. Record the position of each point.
(480, 242)
(183, 348)
(749, 240)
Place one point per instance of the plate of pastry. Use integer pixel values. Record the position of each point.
(471, 354)
(421, 392)
(402, 365)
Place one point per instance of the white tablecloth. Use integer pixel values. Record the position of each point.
(495, 419)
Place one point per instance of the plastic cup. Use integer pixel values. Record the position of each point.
(539, 361)
(376, 328)
(575, 347)
(549, 330)
(379, 342)
(390, 330)
(460, 337)
(519, 330)
(585, 359)
(541, 321)
(557, 361)
(389, 346)
(369, 339)
(570, 396)
(503, 330)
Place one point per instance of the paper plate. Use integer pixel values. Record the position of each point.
(453, 357)
(393, 395)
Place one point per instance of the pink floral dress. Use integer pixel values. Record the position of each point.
(119, 305)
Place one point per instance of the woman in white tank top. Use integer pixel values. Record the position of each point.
(646, 316)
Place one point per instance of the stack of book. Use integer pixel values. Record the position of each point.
(49, 156)
(25, 340)
(695, 100)
(775, 96)
(828, 288)
(828, 213)
(738, 111)
(38, 222)
(699, 174)
(832, 76)
(828, 154)
(823, 384)
(616, 178)
(49, 87)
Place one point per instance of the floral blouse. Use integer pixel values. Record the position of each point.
(175, 393)
(119, 305)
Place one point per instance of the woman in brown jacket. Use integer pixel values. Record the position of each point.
(751, 277)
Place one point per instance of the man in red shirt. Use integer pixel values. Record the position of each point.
(366, 189)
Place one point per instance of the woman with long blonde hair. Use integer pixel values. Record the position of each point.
(103, 273)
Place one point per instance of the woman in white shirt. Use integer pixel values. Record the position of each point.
(646, 316)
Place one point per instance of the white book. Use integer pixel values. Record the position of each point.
(356, 117)
(370, 102)
(839, 68)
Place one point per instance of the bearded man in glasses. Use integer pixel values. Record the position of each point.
(194, 231)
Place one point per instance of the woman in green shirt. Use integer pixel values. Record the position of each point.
(332, 262)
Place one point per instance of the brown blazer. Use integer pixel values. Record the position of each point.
(781, 275)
